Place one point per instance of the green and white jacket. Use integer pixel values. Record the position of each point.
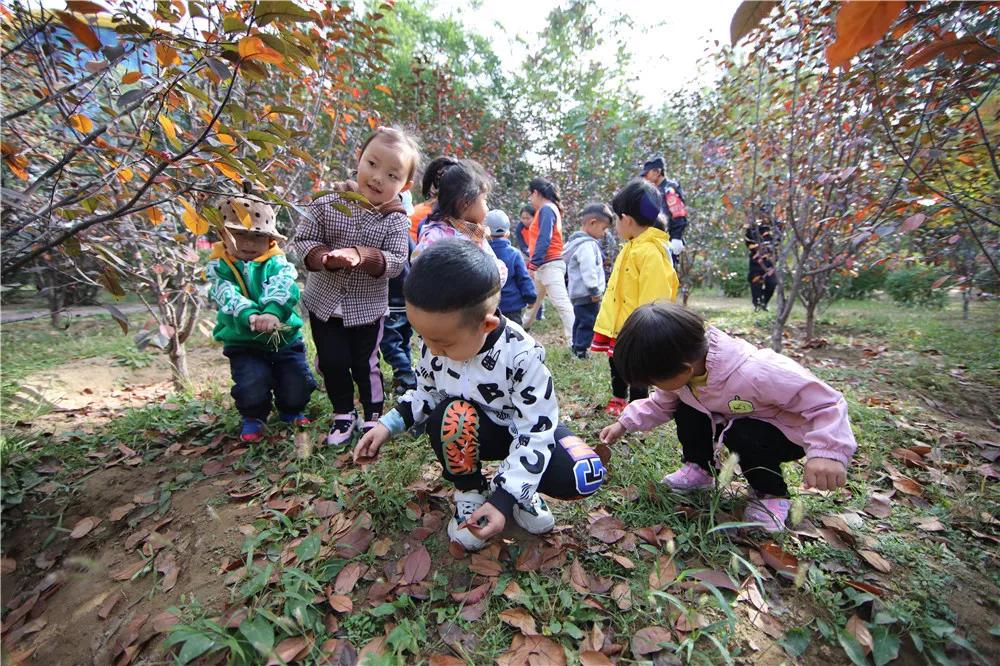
(240, 289)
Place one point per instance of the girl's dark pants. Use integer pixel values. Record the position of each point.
(620, 389)
(761, 447)
(348, 356)
(463, 437)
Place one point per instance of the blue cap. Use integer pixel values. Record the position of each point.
(498, 222)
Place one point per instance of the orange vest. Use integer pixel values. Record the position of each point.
(555, 243)
(420, 213)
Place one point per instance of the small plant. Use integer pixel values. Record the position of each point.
(133, 358)
(913, 286)
(733, 277)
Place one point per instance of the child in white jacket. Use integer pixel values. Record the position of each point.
(585, 269)
(484, 393)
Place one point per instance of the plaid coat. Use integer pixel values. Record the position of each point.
(359, 295)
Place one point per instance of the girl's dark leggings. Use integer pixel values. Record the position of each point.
(761, 447)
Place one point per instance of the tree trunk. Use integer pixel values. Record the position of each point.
(810, 320)
(178, 364)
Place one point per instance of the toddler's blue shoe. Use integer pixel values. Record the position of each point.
(298, 420)
(252, 430)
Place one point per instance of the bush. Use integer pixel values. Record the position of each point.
(858, 287)
(733, 277)
(913, 286)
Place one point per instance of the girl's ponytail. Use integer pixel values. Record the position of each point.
(431, 183)
(547, 189)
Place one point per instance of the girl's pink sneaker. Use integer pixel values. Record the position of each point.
(769, 512)
(691, 476)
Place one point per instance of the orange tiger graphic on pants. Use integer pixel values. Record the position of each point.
(460, 437)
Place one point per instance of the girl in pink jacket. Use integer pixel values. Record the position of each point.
(719, 390)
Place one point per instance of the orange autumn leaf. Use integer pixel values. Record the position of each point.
(154, 214)
(228, 171)
(226, 139)
(194, 222)
(860, 25)
(169, 130)
(80, 30)
(84, 7)
(253, 48)
(125, 175)
(81, 123)
(167, 55)
(131, 77)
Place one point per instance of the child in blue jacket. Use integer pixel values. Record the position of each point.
(519, 290)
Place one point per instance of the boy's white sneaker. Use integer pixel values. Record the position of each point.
(534, 517)
(343, 429)
(466, 504)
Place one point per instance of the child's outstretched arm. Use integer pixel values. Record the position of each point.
(642, 415)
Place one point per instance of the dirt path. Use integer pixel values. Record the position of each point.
(10, 315)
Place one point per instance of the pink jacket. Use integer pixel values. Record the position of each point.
(744, 381)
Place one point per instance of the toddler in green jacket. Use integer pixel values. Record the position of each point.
(253, 285)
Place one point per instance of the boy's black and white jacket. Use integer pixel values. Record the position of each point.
(509, 380)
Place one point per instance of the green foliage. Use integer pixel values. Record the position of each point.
(913, 286)
(733, 277)
(859, 286)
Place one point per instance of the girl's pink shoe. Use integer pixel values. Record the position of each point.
(691, 476)
(769, 512)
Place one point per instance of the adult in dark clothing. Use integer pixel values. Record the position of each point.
(671, 203)
(760, 246)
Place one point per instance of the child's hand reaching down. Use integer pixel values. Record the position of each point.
(264, 323)
(825, 474)
(368, 446)
(494, 524)
(612, 433)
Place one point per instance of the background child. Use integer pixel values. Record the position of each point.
(643, 273)
(545, 244)
(764, 407)
(585, 270)
(461, 207)
(254, 287)
(485, 394)
(351, 258)
(429, 188)
(396, 335)
(519, 290)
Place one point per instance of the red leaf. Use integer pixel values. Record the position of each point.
(779, 560)
(354, 543)
(476, 594)
(859, 25)
(416, 565)
(912, 222)
(648, 640)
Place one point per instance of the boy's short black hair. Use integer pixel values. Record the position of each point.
(453, 275)
(595, 210)
(527, 208)
(640, 200)
(657, 341)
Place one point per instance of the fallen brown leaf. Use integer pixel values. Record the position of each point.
(907, 485)
(446, 660)
(7, 565)
(608, 529)
(416, 565)
(779, 560)
(857, 628)
(663, 573)
(578, 577)
(622, 596)
(876, 560)
(84, 526)
(347, 578)
(325, 508)
(648, 640)
(129, 570)
(288, 651)
(485, 566)
(120, 512)
(478, 593)
(533, 650)
(166, 564)
(521, 619)
(340, 603)
(593, 658)
(108, 605)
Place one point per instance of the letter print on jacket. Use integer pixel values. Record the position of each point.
(511, 384)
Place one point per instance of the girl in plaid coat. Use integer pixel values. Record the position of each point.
(352, 242)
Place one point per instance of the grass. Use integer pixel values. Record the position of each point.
(917, 618)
